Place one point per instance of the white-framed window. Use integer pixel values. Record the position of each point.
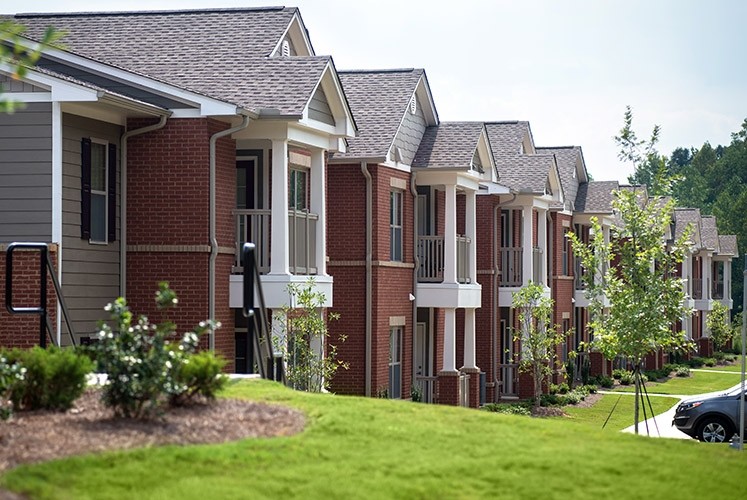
(298, 185)
(98, 191)
(395, 226)
(394, 389)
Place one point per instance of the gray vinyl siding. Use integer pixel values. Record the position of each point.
(10, 85)
(90, 272)
(319, 108)
(410, 134)
(26, 174)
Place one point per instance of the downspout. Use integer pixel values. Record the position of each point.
(550, 248)
(213, 238)
(415, 257)
(123, 198)
(369, 278)
(496, 304)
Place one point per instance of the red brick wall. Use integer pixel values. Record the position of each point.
(176, 160)
(486, 317)
(391, 286)
(22, 330)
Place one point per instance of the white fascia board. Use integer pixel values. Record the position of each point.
(307, 137)
(424, 90)
(436, 177)
(208, 105)
(296, 31)
(60, 90)
(402, 167)
(493, 188)
(28, 97)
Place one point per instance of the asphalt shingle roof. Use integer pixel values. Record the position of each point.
(378, 100)
(520, 172)
(566, 158)
(221, 53)
(449, 145)
(709, 232)
(596, 196)
(684, 217)
(728, 245)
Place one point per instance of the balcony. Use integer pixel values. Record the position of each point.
(718, 290)
(431, 258)
(511, 266)
(697, 288)
(579, 275)
(254, 226)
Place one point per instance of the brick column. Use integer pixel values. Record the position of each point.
(448, 387)
(474, 386)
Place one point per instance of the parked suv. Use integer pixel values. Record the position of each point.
(711, 419)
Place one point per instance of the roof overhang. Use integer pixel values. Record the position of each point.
(344, 122)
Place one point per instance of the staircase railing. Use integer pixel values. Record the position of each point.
(46, 268)
(271, 364)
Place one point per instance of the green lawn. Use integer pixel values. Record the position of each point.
(622, 417)
(370, 448)
(736, 367)
(697, 383)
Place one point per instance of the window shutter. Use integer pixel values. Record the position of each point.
(111, 189)
(85, 188)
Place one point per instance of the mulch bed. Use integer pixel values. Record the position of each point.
(89, 427)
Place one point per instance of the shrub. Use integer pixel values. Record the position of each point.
(605, 381)
(559, 388)
(143, 368)
(54, 378)
(626, 378)
(682, 371)
(617, 373)
(585, 370)
(670, 367)
(11, 374)
(709, 362)
(589, 388)
(201, 375)
(509, 408)
(695, 362)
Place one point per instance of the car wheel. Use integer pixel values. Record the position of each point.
(714, 430)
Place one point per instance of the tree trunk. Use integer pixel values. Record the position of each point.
(537, 385)
(637, 378)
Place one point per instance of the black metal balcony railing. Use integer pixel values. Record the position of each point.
(718, 290)
(254, 226)
(431, 259)
(697, 288)
(511, 261)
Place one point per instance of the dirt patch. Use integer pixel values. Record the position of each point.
(31, 437)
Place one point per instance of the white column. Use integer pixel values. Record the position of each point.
(470, 227)
(319, 207)
(469, 338)
(450, 271)
(279, 250)
(686, 274)
(542, 243)
(727, 279)
(449, 361)
(526, 243)
(706, 273)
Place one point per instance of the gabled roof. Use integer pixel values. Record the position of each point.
(527, 173)
(449, 145)
(728, 245)
(684, 217)
(571, 167)
(506, 138)
(219, 53)
(378, 100)
(709, 232)
(596, 197)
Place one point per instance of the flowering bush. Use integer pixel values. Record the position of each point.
(10, 375)
(143, 368)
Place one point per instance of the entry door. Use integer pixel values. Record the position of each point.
(508, 365)
(423, 360)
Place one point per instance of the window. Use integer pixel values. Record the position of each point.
(395, 226)
(98, 191)
(395, 363)
(566, 255)
(298, 186)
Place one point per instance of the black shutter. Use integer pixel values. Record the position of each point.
(111, 189)
(85, 189)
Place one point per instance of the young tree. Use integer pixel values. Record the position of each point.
(538, 336)
(717, 322)
(310, 360)
(19, 56)
(646, 298)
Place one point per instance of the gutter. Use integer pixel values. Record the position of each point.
(213, 238)
(369, 277)
(123, 197)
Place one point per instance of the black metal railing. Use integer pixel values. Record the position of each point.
(270, 364)
(46, 268)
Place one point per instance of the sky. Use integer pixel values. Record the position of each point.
(568, 67)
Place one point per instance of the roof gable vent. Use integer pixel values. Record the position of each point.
(285, 49)
(413, 106)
